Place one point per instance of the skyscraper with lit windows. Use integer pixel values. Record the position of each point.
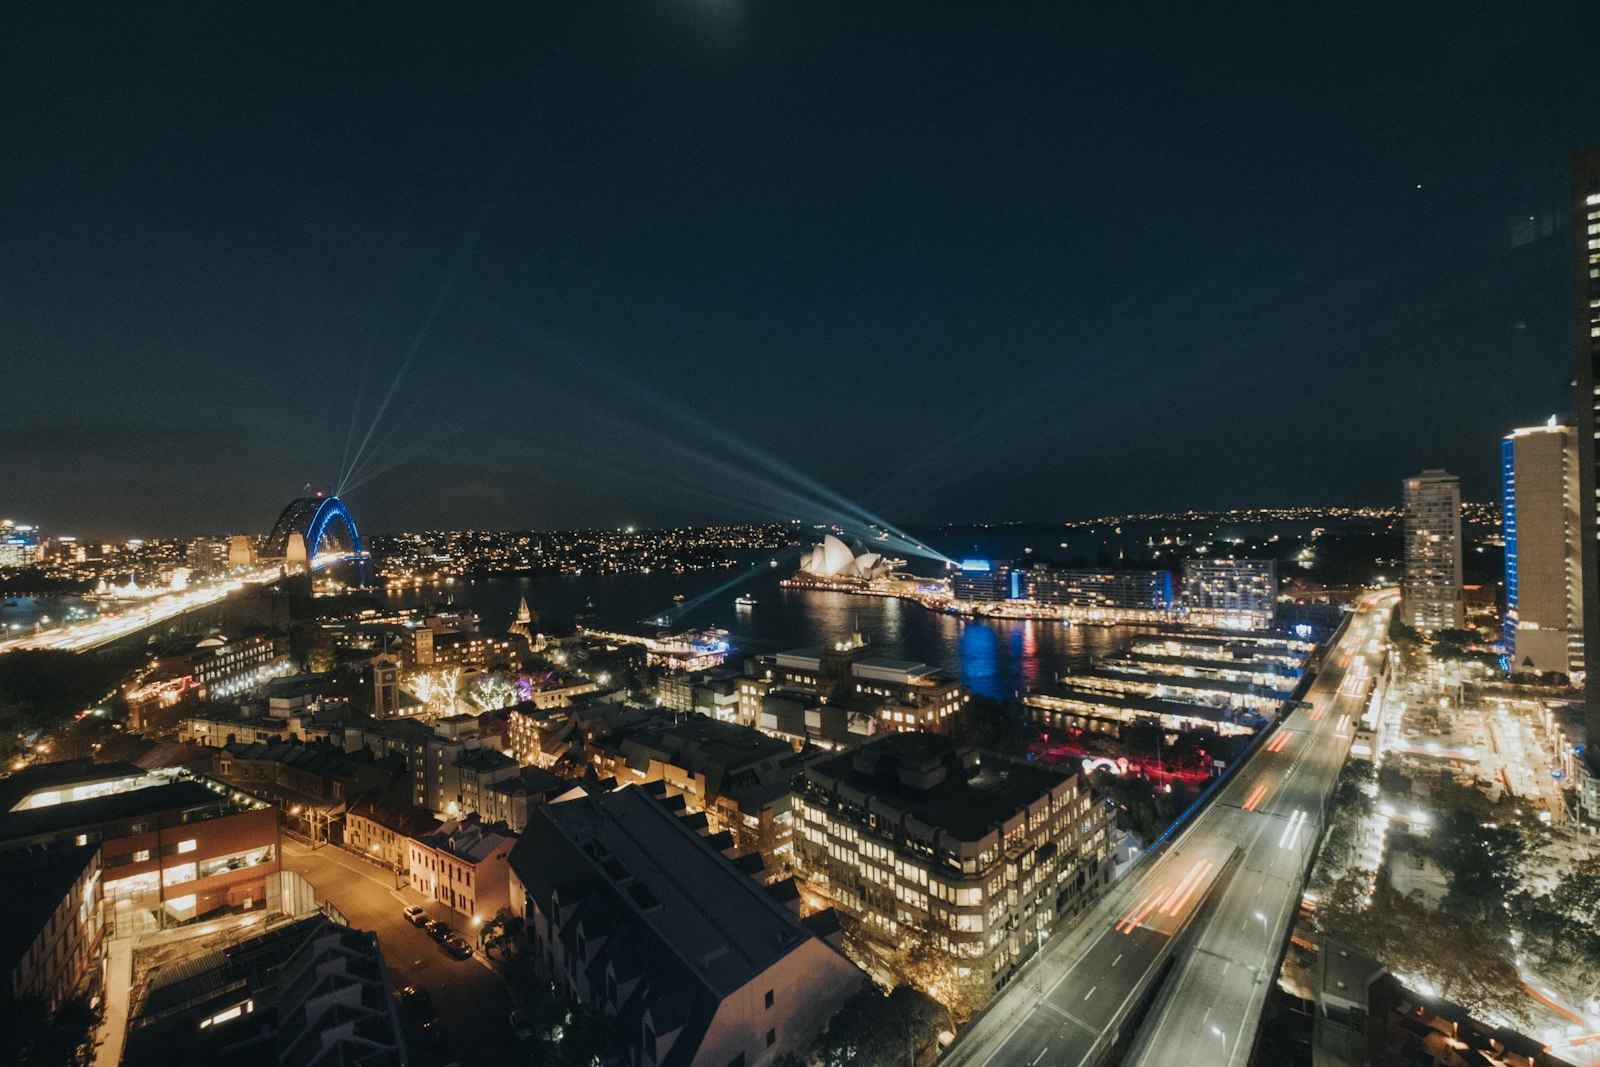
(1586, 308)
(1431, 592)
(1539, 473)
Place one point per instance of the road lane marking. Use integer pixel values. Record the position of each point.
(1040, 1056)
(1089, 994)
(1117, 960)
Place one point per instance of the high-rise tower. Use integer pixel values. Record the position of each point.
(1544, 598)
(1586, 307)
(1431, 593)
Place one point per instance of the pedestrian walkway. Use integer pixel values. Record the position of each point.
(119, 993)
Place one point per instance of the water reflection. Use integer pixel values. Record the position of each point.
(995, 657)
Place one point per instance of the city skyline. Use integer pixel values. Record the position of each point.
(568, 272)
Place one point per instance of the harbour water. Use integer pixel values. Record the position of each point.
(995, 657)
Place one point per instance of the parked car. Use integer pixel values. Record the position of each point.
(415, 915)
(457, 946)
(437, 930)
(417, 1001)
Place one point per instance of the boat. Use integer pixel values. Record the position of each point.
(677, 596)
(745, 600)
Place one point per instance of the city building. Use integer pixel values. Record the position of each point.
(310, 992)
(513, 800)
(835, 696)
(713, 692)
(382, 830)
(983, 580)
(51, 925)
(312, 784)
(631, 910)
(914, 832)
(1102, 711)
(206, 557)
(448, 763)
(464, 866)
(1135, 590)
(202, 668)
(741, 778)
(19, 544)
(562, 735)
(1232, 699)
(1234, 591)
(175, 846)
(1586, 318)
(429, 648)
(1431, 590)
(1543, 629)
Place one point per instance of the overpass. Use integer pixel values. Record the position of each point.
(1126, 985)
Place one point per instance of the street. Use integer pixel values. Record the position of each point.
(470, 998)
(1269, 816)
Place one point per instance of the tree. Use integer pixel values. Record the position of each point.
(989, 723)
(35, 1038)
(1481, 860)
(1452, 954)
(570, 1035)
(874, 1030)
(1577, 894)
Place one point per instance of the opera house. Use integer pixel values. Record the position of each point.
(834, 560)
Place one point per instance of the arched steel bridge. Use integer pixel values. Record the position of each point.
(330, 534)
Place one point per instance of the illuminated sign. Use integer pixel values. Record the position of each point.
(976, 566)
(1118, 766)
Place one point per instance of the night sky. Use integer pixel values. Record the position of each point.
(582, 263)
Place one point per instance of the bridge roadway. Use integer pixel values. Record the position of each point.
(127, 618)
(1072, 1005)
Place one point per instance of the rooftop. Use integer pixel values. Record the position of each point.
(163, 795)
(627, 847)
(469, 839)
(936, 781)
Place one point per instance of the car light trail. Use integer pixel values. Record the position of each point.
(1256, 796)
(1278, 744)
(1186, 888)
(1291, 832)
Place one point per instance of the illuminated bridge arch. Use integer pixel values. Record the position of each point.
(325, 524)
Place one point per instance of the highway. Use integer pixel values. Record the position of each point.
(1229, 883)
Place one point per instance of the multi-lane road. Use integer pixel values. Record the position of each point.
(1122, 981)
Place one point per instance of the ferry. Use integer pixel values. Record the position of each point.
(677, 596)
(745, 600)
